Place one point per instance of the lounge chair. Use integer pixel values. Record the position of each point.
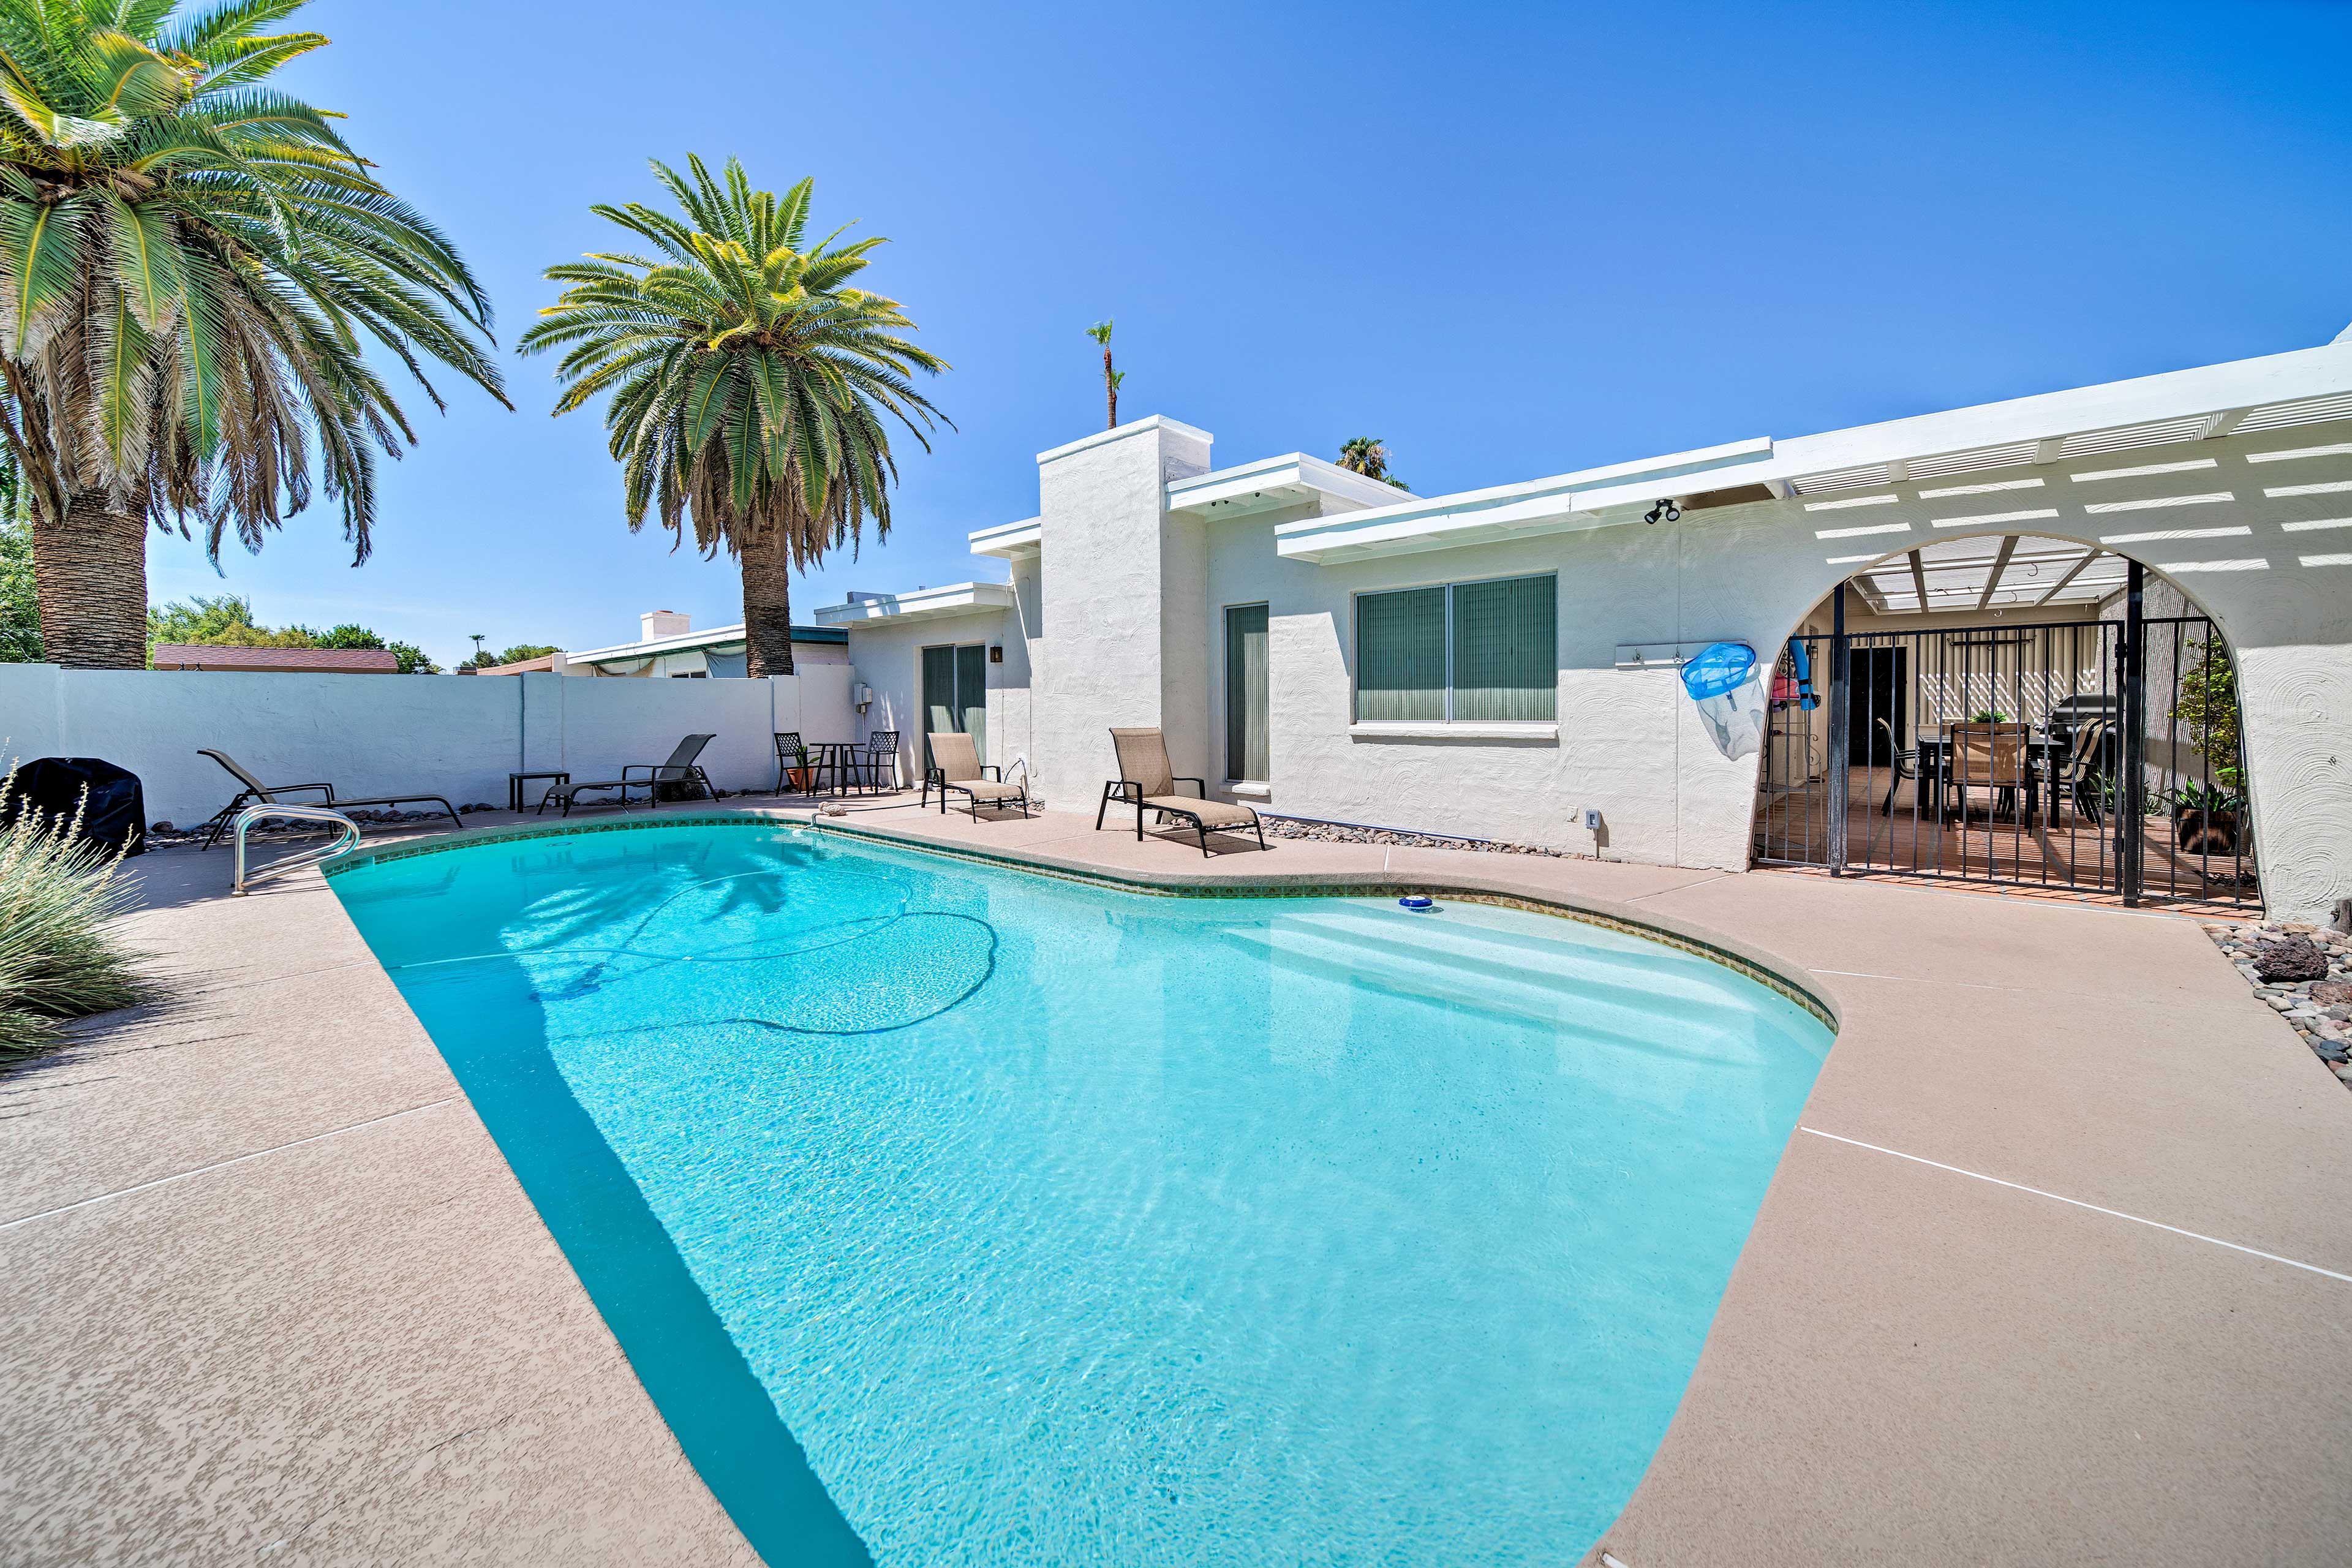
(956, 766)
(253, 792)
(681, 768)
(1145, 783)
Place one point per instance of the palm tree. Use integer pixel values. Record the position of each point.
(1367, 456)
(1100, 333)
(748, 382)
(190, 264)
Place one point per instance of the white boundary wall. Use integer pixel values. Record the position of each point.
(457, 736)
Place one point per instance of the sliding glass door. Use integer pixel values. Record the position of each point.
(955, 695)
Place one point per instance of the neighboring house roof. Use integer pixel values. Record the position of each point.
(716, 637)
(520, 666)
(313, 660)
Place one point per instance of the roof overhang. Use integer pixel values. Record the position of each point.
(2243, 397)
(1588, 499)
(1271, 483)
(1008, 541)
(923, 605)
(716, 637)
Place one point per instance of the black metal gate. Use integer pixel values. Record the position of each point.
(2007, 753)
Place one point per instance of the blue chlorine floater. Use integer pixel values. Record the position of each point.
(1418, 902)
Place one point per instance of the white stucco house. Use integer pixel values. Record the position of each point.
(1502, 662)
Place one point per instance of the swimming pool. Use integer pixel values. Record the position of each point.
(956, 1214)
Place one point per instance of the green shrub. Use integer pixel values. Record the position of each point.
(59, 959)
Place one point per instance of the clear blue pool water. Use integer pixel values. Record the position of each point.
(955, 1215)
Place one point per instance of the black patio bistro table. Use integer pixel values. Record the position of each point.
(831, 757)
(2045, 753)
(516, 781)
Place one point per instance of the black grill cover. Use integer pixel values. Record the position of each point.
(52, 787)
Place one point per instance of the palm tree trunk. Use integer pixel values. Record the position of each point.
(89, 569)
(768, 605)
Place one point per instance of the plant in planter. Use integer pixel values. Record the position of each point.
(1989, 716)
(2206, 818)
(800, 775)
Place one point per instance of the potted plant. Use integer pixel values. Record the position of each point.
(802, 776)
(1989, 716)
(2205, 818)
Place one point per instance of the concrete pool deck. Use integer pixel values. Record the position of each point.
(2054, 1271)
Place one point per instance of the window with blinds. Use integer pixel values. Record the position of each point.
(1464, 652)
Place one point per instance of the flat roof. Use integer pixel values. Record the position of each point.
(923, 603)
(717, 636)
(2241, 397)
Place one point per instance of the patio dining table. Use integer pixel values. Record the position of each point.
(2045, 753)
(834, 758)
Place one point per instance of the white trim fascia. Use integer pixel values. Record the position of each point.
(1008, 541)
(923, 603)
(685, 642)
(1600, 498)
(1285, 480)
(1554, 505)
(2052, 416)
(1133, 428)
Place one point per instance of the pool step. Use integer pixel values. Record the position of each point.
(1596, 992)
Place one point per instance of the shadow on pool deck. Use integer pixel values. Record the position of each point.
(270, 1282)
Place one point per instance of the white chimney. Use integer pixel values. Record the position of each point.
(659, 624)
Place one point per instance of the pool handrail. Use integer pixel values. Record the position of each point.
(344, 843)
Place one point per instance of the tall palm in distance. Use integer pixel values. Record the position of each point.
(191, 264)
(1366, 455)
(1100, 333)
(750, 382)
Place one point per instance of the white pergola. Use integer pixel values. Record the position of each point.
(2015, 572)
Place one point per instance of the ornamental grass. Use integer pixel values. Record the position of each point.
(60, 957)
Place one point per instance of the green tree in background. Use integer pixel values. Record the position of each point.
(226, 621)
(750, 382)
(1368, 455)
(194, 268)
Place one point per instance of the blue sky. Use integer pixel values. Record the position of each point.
(1510, 240)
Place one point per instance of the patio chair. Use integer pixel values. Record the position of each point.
(1907, 766)
(1146, 782)
(681, 768)
(867, 768)
(956, 766)
(789, 752)
(253, 792)
(1989, 757)
(2078, 775)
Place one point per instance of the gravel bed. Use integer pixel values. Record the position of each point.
(1332, 833)
(2305, 973)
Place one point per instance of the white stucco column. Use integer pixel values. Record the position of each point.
(1123, 597)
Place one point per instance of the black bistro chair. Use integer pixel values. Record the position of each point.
(876, 767)
(790, 753)
(1905, 766)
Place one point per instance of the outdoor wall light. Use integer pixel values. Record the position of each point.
(1672, 512)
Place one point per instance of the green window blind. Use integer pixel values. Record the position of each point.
(1401, 656)
(1246, 716)
(1505, 649)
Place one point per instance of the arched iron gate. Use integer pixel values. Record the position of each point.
(2004, 754)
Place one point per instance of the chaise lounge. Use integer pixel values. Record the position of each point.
(1146, 782)
(253, 792)
(956, 766)
(681, 768)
